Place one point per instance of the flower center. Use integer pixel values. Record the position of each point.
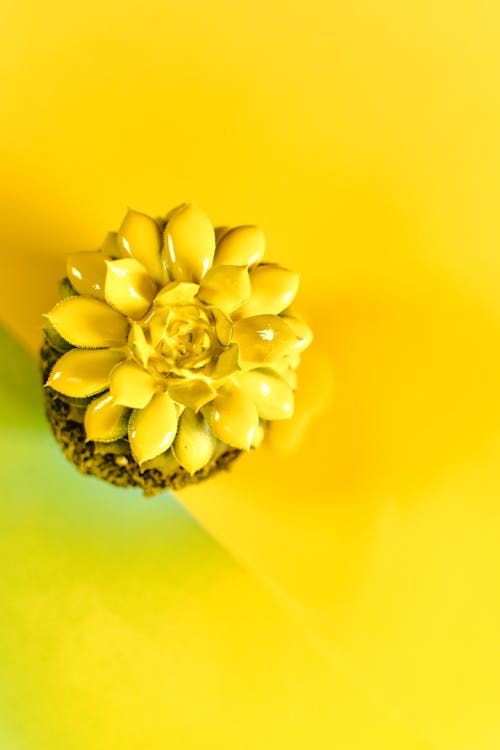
(183, 338)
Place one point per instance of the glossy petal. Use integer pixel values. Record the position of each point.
(83, 372)
(193, 393)
(270, 394)
(139, 344)
(259, 436)
(105, 420)
(227, 363)
(88, 322)
(129, 287)
(301, 329)
(189, 244)
(223, 325)
(263, 338)
(166, 462)
(240, 246)
(131, 385)
(273, 289)
(234, 418)
(87, 273)
(140, 237)
(157, 324)
(152, 430)
(176, 293)
(195, 442)
(226, 287)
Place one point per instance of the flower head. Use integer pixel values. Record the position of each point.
(179, 336)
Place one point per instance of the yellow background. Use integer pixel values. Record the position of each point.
(363, 610)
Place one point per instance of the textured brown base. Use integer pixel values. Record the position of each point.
(112, 462)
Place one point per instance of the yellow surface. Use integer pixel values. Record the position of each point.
(363, 137)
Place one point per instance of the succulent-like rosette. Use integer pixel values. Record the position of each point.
(180, 336)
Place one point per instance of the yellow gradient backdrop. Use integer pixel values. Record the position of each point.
(363, 138)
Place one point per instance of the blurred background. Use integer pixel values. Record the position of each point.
(345, 595)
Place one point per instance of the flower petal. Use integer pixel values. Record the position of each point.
(105, 420)
(223, 325)
(157, 324)
(195, 442)
(241, 246)
(87, 273)
(152, 430)
(166, 462)
(259, 436)
(193, 393)
(140, 237)
(226, 287)
(189, 243)
(301, 329)
(81, 373)
(129, 287)
(234, 418)
(131, 385)
(227, 363)
(139, 345)
(270, 394)
(88, 322)
(273, 289)
(176, 293)
(263, 338)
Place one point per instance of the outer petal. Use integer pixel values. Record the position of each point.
(241, 246)
(140, 237)
(263, 338)
(193, 393)
(189, 244)
(152, 430)
(88, 322)
(301, 329)
(195, 442)
(131, 385)
(273, 289)
(81, 373)
(270, 394)
(87, 273)
(258, 436)
(129, 287)
(104, 420)
(234, 418)
(226, 287)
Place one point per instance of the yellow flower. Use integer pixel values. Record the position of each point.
(181, 334)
